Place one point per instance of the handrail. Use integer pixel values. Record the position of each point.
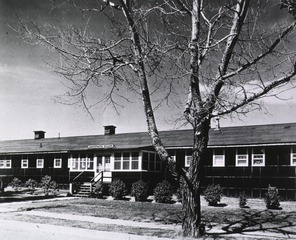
(78, 176)
(100, 173)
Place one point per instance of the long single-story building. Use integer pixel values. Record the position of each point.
(244, 158)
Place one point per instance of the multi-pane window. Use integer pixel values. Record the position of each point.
(82, 162)
(126, 161)
(89, 161)
(145, 161)
(5, 162)
(135, 160)
(57, 163)
(188, 158)
(117, 161)
(25, 163)
(151, 161)
(218, 158)
(40, 163)
(258, 157)
(241, 157)
(75, 161)
(293, 156)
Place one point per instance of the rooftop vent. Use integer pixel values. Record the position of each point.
(109, 130)
(217, 127)
(39, 134)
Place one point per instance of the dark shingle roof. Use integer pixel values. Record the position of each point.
(254, 135)
(228, 136)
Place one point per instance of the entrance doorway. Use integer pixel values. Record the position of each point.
(103, 163)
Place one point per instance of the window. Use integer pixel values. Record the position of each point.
(218, 158)
(258, 157)
(90, 161)
(75, 161)
(241, 157)
(25, 163)
(188, 158)
(57, 163)
(151, 161)
(293, 156)
(135, 160)
(126, 160)
(39, 163)
(117, 161)
(5, 162)
(83, 161)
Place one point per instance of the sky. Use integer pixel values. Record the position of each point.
(28, 88)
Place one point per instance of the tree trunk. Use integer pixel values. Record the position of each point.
(191, 224)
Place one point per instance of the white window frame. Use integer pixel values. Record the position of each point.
(188, 158)
(293, 156)
(130, 161)
(42, 163)
(237, 155)
(23, 165)
(81, 162)
(254, 155)
(5, 164)
(218, 155)
(56, 160)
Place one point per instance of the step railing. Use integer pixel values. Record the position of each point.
(97, 178)
(78, 176)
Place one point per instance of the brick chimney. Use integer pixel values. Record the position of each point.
(109, 130)
(39, 135)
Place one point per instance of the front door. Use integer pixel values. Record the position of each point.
(103, 163)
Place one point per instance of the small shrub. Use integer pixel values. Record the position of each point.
(117, 189)
(213, 194)
(15, 184)
(48, 185)
(242, 200)
(99, 189)
(163, 192)
(140, 190)
(272, 198)
(31, 184)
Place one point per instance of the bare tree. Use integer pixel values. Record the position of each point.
(222, 52)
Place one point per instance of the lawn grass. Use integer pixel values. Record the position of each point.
(115, 209)
(228, 215)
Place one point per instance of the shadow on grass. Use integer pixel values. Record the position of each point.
(23, 195)
(25, 198)
(272, 221)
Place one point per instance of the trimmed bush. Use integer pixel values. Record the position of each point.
(117, 189)
(15, 184)
(140, 190)
(213, 194)
(48, 185)
(163, 192)
(242, 200)
(99, 190)
(272, 198)
(31, 184)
